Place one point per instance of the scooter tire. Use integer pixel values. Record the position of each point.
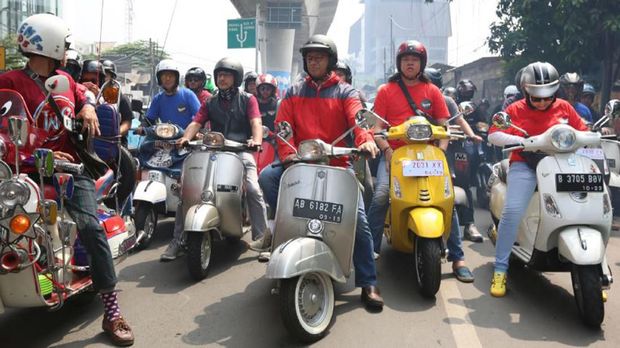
(197, 262)
(294, 314)
(146, 217)
(588, 293)
(427, 263)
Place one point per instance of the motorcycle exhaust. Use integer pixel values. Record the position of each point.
(12, 260)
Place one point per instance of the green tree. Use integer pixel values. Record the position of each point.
(573, 35)
(14, 59)
(144, 54)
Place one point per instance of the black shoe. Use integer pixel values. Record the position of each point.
(470, 232)
(371, 296)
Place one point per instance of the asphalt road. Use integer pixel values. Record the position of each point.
(234, 307)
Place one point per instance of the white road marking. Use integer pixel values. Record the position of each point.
(462, 328)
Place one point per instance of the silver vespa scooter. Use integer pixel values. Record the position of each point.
(314, 234)
(212, 195)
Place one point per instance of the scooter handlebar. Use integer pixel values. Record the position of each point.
(66, 166)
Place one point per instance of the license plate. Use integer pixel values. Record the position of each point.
(579, 182)
(423, 168)
(156, 176)
(310, 209)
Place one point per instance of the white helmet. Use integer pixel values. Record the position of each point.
(44, 35)
(167, 65)
(510, 90)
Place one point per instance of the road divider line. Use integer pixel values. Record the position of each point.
(463, 330)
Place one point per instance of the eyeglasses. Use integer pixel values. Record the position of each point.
(538, 100)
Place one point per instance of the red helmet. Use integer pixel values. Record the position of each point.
(267, 79)
(411, 47)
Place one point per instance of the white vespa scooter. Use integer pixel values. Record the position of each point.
(314, 235)
(568, 222)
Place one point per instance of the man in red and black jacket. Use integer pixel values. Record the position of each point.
(320, 107)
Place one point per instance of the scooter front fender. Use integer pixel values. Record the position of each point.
(581, 245)
(201, 218)
(426, 222)
(150, 191)
(303, 255)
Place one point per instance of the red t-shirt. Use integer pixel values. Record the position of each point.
(203, 96)
(252, 111)
(46, 119)
(392, 104)
(536, 122)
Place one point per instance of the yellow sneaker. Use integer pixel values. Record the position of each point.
(498, 284)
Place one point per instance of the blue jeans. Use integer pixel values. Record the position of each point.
(379, 207)
(363, 258)
(521, 185)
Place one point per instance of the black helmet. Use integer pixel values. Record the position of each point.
(465, 90)
(346, 70)
(109, 67)
(93, 66)
(231, 65)
(435, 76)
(414, 48)
(484, 101)
(249, 76)
(196, 72)
(73, 64)
(540, 79)
(320, 42)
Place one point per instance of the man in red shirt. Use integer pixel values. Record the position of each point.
(195, 79)
(43, 40)
(392, 104)
(320, 107)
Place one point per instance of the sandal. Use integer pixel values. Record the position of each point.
(463, 274)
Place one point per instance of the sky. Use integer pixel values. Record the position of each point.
(197, 34)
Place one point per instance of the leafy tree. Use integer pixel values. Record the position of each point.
(138, 53)
(14, 59)
(573, 35)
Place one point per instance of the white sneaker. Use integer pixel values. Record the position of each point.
(263, 243)
(171, 253)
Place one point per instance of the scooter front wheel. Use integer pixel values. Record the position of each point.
(427, 262)
(198, 254)
(588, 292)
(307, 305)
(146, 222)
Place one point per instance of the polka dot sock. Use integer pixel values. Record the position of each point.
(110, 306)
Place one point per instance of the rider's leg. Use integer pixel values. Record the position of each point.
(379, 205)
(172, 251)
(269, 181)
(254, 196)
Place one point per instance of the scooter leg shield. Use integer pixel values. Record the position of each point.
(150, 191)
(581, 245)
(303, 255)
(426, 222)
(201, 218)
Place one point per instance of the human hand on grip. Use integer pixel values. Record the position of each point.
(370, 147)
(91, 122)
(63, 156)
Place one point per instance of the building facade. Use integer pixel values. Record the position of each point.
(12, 12)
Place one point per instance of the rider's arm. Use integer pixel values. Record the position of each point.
(352, 105)
(191, 130)
(500, 138)
(285, 113)
(152, 113)
(380, 108)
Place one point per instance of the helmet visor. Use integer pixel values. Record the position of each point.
(542, 91)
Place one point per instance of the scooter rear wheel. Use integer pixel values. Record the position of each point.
(307, 305)
(199, 247)
(588, 292)
(427, 263)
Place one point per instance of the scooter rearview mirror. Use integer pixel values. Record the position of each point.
(18, 130)
(612, 109)
(467, 107)
(501, 120)
(44, 162)
(63, 184)
(57, 84)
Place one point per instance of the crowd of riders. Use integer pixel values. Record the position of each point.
(242, 106)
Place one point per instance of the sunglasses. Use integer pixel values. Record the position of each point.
(191, 79)
(538, 100)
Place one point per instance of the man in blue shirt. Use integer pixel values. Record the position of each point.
(571, 87)
(176, 105)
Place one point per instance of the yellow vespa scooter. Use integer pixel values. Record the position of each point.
(422, 198)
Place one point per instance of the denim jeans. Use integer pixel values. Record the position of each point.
(379, 207)
(254, 198)
(83, 209)
(521, 183)
(363, 258)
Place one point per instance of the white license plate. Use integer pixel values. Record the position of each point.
(156, 176)
(594, 154)
(423, 168)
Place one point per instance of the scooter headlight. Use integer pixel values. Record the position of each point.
(311, 150)
(166, 130)
(419, 132)
(563, 139)
(213, 140)
(12, 193)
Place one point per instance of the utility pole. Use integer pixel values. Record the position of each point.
(257, 39)
(153, 72)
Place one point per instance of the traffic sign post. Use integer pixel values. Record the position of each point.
(242, 33)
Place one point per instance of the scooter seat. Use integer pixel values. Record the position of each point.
(504, 165)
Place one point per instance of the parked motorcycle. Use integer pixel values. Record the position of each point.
(314, 235)
(42, 262)
(160, 173)
(485, 165)
(212, 196)
(568, 222)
